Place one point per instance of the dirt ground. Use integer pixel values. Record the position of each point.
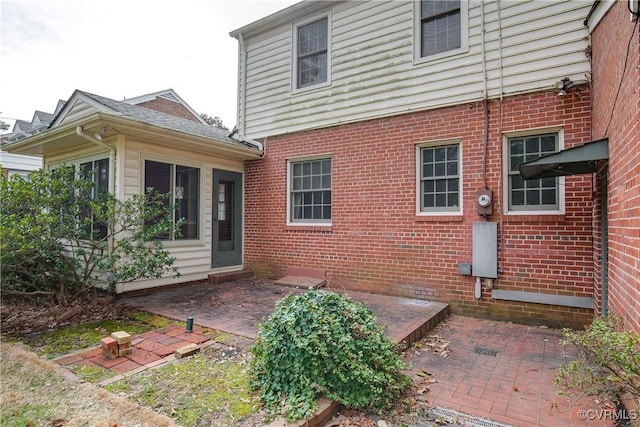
(31, 385)
(22, 317)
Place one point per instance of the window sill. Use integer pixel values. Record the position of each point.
(313, 228)
(439, 218)
(535, 218)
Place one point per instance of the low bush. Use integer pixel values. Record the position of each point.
(608, 364)
(322, 343)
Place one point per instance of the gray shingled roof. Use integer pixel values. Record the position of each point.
(167, 121)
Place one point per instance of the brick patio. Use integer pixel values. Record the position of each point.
(502, 371)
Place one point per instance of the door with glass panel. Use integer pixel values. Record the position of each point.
(227, 219)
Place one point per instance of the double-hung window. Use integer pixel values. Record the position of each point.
(312, 53)
(183, 185)
(540, 194)
(310, 191)
(439, 178)
(441, 26)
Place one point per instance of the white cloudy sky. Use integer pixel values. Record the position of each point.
(122, 49)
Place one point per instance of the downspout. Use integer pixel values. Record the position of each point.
(242, 96)
(485, 101)
(500, 144)
(242, 84)
(112, 158)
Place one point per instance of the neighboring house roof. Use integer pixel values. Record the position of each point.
(21, 126)
(87, 112)
(167, 101)
(165, 120)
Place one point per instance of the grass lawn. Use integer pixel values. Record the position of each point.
(210, 388)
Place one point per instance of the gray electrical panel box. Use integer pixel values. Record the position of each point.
(485, 250)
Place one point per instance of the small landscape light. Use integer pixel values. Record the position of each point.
(189, 324)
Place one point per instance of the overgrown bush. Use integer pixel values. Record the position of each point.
(61, 237)
(322, 343)
(608, 364)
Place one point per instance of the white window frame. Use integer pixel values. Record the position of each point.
(417, 35)
(203, 219)
(505, 172)
(77, 161)
(290, 162)
(294, 53)
(418, 191)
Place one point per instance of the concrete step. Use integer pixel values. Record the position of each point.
(230, 276)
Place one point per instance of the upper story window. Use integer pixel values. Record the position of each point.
(310, 191)
(183, 183)
(312, 53)
(439, 178)
(441, 28)
(541, 194)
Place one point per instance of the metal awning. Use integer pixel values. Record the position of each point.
(572, 161)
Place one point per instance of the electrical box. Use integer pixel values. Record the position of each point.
(485, 250)
(484, 200)
(464, 268)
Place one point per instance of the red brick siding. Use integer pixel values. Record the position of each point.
(169, 107)
(616, 115)
(376, 243)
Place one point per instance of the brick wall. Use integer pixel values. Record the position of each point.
(169, 107)
(616, 115)
(377, 243)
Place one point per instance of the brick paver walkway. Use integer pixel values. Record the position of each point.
(503, 372)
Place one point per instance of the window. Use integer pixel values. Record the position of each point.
(441, 26)
(98, 172)
(183, 184)
(534, 194)
(439, 175)
(312, 55)
(310, 191)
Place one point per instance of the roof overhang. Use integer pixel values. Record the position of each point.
(64, 137)
(572, 161)
(284, 16)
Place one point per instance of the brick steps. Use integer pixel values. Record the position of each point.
(216, 278)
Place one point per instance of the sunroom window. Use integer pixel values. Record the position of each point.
(183, 185)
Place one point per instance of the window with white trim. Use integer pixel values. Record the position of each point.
(440, 26)
(441, 29)
(312, 53)
(541, 194)
(439, 178)
(183, 185)
(98, 172)
(310, 191)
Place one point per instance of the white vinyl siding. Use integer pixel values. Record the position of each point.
(374, 72)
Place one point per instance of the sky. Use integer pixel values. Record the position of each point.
(122, 49)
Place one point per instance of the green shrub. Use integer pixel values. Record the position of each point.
(608, 363)
(61, 237)
(322, 343)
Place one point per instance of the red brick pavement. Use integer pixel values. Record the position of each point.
(148, 349)
(514, 386)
